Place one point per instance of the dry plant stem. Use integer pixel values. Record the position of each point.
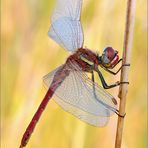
(131, 4)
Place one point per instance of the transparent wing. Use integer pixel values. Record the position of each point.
(75, 95)
(66, 28)
(67, 8)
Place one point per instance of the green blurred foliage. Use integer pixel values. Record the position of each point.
(27, 54)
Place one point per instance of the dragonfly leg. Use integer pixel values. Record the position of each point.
(117, 112)
(105, 85)
(92, 76)
(112, 67)
(117, 63)
(114, 73)
(93, 79)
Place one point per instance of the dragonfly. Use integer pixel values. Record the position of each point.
(73, 90)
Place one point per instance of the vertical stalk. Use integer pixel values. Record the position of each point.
(128, 37)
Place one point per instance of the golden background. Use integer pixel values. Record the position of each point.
(27, 54)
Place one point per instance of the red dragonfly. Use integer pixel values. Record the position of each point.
(76, 92)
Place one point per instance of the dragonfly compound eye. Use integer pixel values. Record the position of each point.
(105, 59)
(109, 57)
(110, 53)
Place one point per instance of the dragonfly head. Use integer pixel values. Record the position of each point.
(109, 57)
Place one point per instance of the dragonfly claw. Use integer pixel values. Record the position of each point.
(126, 64)
(119, 83)
(124, 82)
(122, 116)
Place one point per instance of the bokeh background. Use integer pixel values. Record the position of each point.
(27, 54)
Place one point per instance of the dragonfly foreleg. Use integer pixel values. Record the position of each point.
(105, 85)
(114, 73)
(116, 64)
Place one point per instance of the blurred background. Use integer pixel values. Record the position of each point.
(27, 54)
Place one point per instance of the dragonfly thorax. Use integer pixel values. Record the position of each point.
(83, 58)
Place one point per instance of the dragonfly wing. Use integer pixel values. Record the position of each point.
(67, 8)
(75, 95)
(66, 28)
(47, 79)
